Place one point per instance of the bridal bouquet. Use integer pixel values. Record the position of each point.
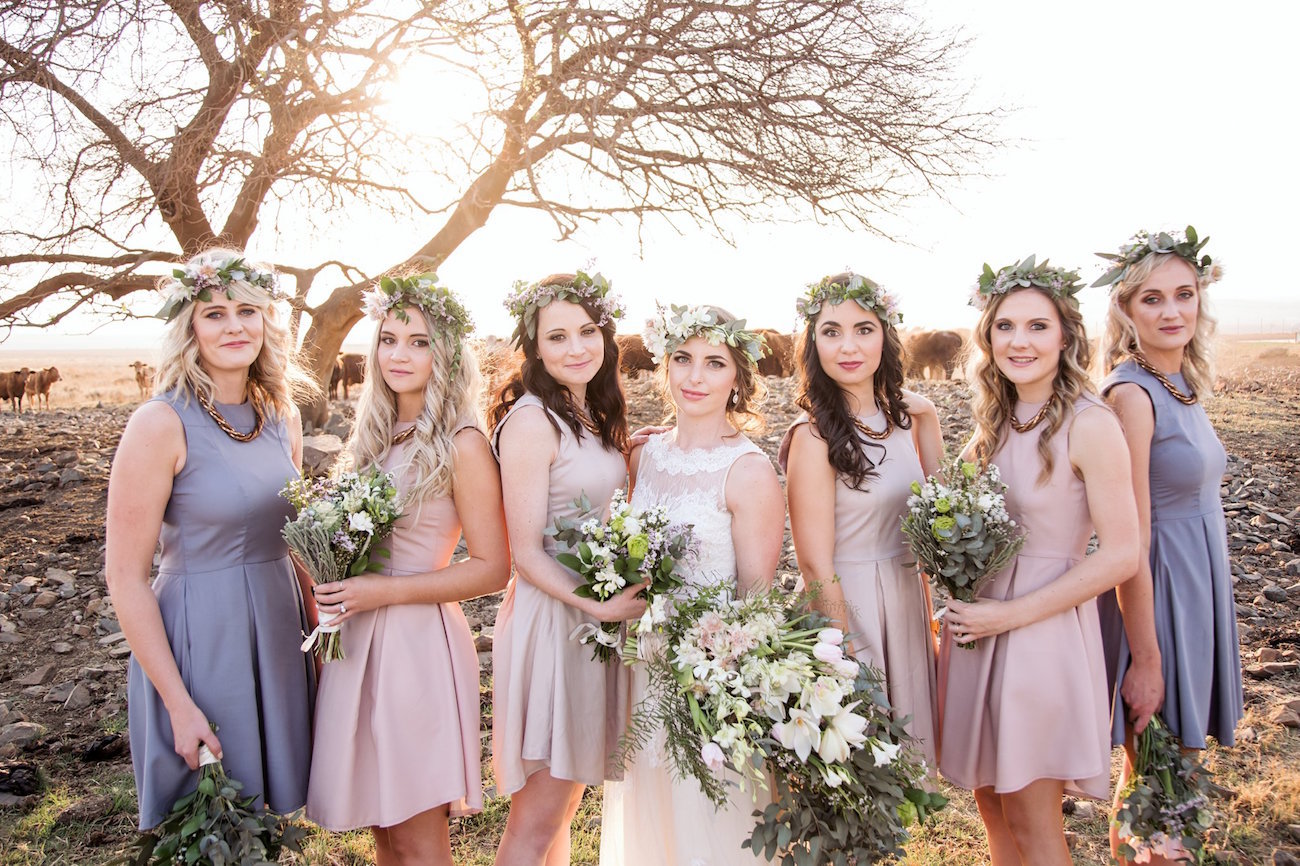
(1164, 809)
(334, 534)
(633, 546)
(213, 826)
(761, 686)
(959, 529)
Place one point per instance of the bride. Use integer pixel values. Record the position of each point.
(707, 474)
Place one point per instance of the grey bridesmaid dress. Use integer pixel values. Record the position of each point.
(1196, 622)
(233, 613)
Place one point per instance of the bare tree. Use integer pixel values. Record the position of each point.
(160, 127)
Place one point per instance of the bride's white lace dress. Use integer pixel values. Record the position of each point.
(650, 818)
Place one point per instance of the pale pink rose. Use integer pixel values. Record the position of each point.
(828, 652)
(831, 636)
(712, 756)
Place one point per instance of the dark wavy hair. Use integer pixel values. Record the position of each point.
(828, 406)
(606, 405)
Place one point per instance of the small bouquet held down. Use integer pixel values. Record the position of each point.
(632, 547)
(1164, 810)
(334, 534)
(213, 826)
(959, 529)
(761, 686)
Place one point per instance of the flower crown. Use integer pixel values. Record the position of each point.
(670, 328)
(200, 279)
(869, 295)
(1185, 245)
(442, 310)
(1058, 282)
(527, 299)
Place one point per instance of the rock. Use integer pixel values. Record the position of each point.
(120, 651)
(78, 699)
(60, 693)
(105, 748)
(60, 648)
(1292, 568)
(38, 677)
(1283, 858)
(1245, 611)
(83, 630)
(1294, 831)
(114, 638)
(1268, 654)
(1247, 735)
(30, 582)
(90, 808)
(1085, 810)
(58, 575)
(45, 599)
(33, 614)
(1275, 594)
(20, 778)
(21, 734)
(71, 477)
(483, 643)
(1285, 716)
(320, 452)
(65, 458)
(10, 637)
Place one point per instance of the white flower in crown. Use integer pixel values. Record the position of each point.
(673, 326)
(198, 280)
(1185, 244)
(868, 295)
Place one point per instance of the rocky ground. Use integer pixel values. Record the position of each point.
(66, 794)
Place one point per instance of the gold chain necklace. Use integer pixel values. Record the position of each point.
(1034, 421)
(1185, 399)
(254, 397)
(403, 436)
(872, 434)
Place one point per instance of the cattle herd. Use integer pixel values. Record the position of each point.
(932, 353)
(34, 385)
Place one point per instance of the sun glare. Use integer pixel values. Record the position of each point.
(431, 97)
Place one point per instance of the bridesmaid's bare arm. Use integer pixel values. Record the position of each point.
(753, 496)
(151, 453)
(1144, 683)
(528, 445)
(927, 434)
(1095, 441)
(476, 490)
(810, 485)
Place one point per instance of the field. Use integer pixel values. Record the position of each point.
(65, 771)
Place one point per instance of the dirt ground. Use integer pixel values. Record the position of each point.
(66, 793)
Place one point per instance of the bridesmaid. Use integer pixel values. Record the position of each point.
(397, 719)
(214, 641)
(1023, 715)
(559, 429)
(1176, 643)
(849, 462)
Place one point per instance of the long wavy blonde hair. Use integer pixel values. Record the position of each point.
(447, 402)
(750, 388)
(995, 395)
(1122, 340)
(275, 371)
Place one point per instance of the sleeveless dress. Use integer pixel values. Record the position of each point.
(233, 613)
(554, 707)
(652, 818)
(397, 719)
(1031, 703)
(1196, 621)
(888, 611)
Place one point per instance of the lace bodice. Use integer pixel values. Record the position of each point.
(692, 486)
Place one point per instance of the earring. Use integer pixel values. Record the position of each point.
(735, 397)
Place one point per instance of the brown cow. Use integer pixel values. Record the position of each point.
(633, 356)
(38, 386)
(780, 354)
(349, 369)
(143, 378)
(932, 351)
(13, 385)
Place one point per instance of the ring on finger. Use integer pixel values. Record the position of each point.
(343, 608)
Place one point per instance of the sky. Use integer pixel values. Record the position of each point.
(1122, 116)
